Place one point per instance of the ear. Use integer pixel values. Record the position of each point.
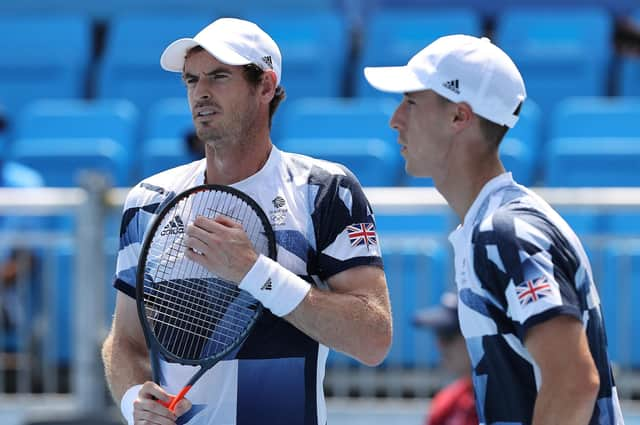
(463, 116)
(268, 87)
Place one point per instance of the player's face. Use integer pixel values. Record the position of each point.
(223, 104)
(422, 132)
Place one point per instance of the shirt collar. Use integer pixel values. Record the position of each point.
(496, 183)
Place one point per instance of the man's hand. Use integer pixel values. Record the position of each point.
(221, 245)
(148, 407)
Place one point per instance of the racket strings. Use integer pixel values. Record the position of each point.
(194, 313)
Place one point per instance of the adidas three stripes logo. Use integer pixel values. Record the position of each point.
(453, 85)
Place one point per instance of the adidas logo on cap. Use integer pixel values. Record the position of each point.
(267, 60)
(174, 227)
(453, 85)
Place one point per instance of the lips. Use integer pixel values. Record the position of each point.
(204, 111)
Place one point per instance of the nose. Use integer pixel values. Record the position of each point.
(202, 90)
(397, 119)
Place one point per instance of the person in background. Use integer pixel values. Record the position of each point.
(455, 403)
(19, 276)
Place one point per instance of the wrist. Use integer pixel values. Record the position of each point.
(277, 288)
(126, 403)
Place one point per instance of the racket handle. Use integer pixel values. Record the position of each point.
(173, 401)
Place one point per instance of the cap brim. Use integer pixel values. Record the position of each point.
(172, 58)
(393, 79)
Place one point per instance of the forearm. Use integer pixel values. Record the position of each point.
(125, 365)
(565, 404)
(358, 325)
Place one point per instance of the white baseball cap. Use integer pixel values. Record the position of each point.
(461, 68)
(231, 41)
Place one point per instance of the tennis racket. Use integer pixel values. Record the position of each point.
(189, 314)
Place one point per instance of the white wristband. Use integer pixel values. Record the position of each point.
(277, 288)
(126, 404)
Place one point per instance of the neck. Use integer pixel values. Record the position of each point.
(229, 163)
(461, 187)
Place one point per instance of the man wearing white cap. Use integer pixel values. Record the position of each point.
(528, 306)
(330, 281)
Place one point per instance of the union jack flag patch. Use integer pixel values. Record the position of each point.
(533, 290)
(362, 234)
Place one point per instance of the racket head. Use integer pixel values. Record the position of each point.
(188, 314)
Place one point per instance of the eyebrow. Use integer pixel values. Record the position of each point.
(217, 70)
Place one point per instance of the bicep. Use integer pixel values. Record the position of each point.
(560, 348)
(366, 281)
(126, 324)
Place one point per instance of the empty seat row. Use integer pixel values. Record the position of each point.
(560, 52)
(592, 142)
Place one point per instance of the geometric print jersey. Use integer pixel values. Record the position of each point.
(323, 225)
(519, 264)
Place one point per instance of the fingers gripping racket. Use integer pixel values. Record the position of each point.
(189, 314)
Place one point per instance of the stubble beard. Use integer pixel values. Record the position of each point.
(238, 130)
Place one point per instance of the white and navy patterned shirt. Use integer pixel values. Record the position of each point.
(277, 375)
(519, 264)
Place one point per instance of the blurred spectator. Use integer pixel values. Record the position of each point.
(627, 37)
(454, 404)
(19, 295)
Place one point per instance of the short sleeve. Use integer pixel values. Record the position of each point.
(136, 217)
(345, 228)
(523, 260)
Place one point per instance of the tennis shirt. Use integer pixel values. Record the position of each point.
(323, 225)
(519, 264)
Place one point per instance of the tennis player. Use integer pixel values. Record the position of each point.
(528, 307)
(330, 285)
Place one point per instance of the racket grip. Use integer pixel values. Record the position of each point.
(171, 404)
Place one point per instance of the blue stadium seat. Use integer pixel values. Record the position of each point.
(60, 161)
(130, 66)
(630, 77)
(491, 8)
(518, 158)
(392, 36)
(314, 48)
(339, 118)
(403, 223)
(417, 276)
(43, 57)
(169, 117)
(619, 292)
(69, 119)
(355, 131)
(164, 146)
(253, 8)
(594, 142)
(373, 161)
(597, 117)
(593, 162)
(163, 153)
(560, 52)
(623, 222)
(105, 10)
